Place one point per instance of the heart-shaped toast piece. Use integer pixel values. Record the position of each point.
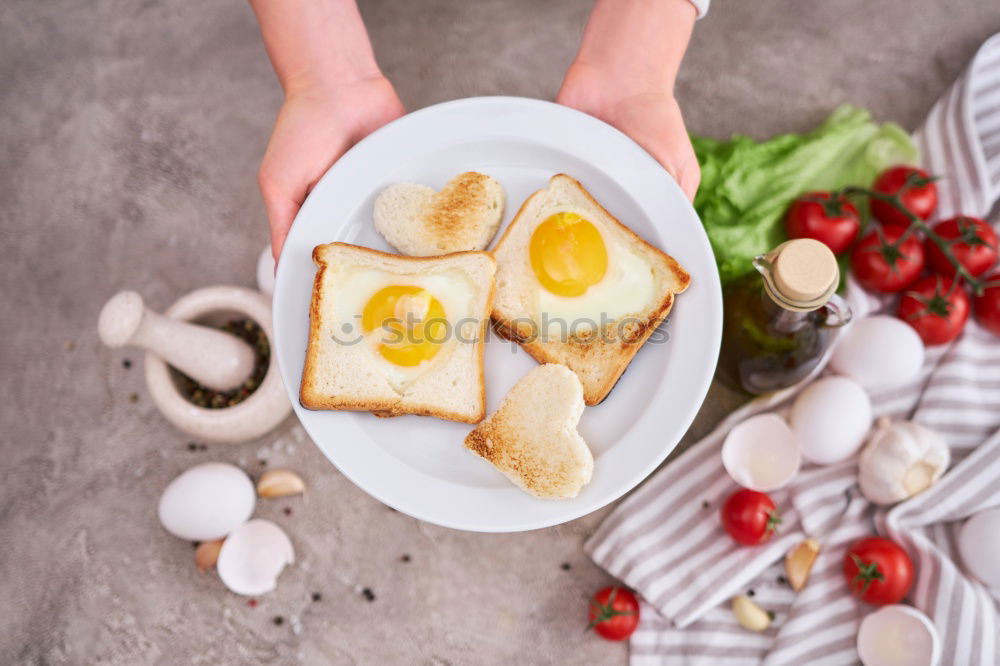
(532, 437)
(420, 222)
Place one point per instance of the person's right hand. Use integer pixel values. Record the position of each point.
(314, 128)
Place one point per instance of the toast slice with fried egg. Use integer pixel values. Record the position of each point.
(532, 437)
(398, 335)
(577, 287)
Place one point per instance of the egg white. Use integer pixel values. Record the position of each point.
(357, 284)
(627, 288)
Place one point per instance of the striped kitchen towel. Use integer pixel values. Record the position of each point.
(665, 540)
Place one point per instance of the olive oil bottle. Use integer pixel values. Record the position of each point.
(778, 322)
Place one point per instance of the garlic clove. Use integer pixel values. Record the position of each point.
(749, 614)
(280, 483)
(918, 478)
(207, 554)
(799, 562)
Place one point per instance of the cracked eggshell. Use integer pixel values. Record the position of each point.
(898, 635)
(761, 453)
(879, 353)
(830, 418)
(207, 502)
(253, 557)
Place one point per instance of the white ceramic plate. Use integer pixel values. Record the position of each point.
(418, 465)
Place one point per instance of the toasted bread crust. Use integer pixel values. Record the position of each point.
(419, 221)
(532, 438)
(311, 397)
(450, 209)
(583, 355)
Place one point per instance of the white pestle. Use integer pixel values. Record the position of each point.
(209, 356)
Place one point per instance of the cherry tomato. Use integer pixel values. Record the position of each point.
(878, 571)
(916, 189)
(987, 305)
(833, 221)
(750, 517)
(972, 241)
(936, 307)
(614, 613)
(879, 265)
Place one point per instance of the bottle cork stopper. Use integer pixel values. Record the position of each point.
(805, 272)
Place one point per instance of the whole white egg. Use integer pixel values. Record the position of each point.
(830, 419)
(879, 352)
(265, 271)
(253, 556)
(207, 502)
(979, 545)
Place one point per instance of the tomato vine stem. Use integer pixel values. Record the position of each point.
(915, 224)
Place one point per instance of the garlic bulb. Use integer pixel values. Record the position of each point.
(900, 460)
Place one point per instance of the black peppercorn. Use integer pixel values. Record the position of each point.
(368, 594)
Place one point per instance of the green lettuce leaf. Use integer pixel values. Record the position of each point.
(746, 186)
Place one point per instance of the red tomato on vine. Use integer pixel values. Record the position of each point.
(886, 261)
(829, 218)
(916, 191)
(972, 242)
(936, 307)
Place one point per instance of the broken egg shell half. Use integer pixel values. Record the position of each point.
(207, 502)
(253, 556)
(898, 635)
(761, 453)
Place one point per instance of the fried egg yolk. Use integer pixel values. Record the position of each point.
(568, 254)
(408, 322)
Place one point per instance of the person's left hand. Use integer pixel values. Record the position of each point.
(647, 114)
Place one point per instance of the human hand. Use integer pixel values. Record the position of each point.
(648, 114)
(314, 128)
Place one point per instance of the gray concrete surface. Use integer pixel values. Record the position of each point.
(131, 133)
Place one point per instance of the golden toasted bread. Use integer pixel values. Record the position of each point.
(532, 437)
(347, 366)
(640, 280)
(420, 222)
